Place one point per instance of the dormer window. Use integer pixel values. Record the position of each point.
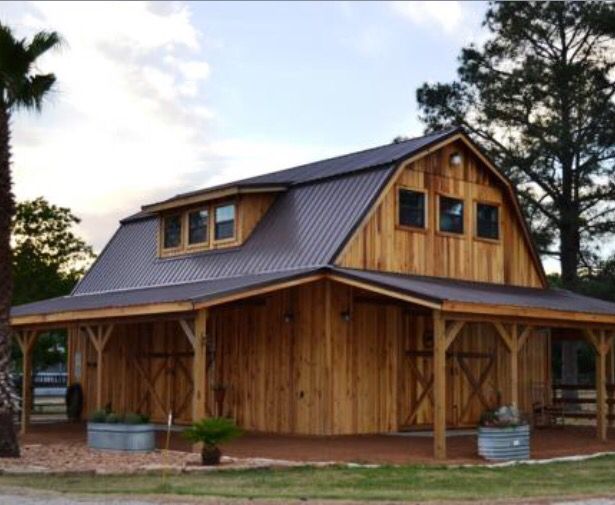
(198, 227)
(224, 227)
(172, 232)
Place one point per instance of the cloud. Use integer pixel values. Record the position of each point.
(448, 15)
(124, 124)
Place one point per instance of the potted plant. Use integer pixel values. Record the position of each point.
(211, 432)
(504, 434)
(110, 431)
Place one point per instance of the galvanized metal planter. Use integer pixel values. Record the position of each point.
(121, 437)
(504, 443)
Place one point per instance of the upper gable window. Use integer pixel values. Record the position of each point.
(487, 221)
(412, 208)
(224, 226)
(172, 231)
(451, 215)
(198, 227)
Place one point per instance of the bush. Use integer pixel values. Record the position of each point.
(133, 418)
(213, 431)
(503, 417)
(98, 416)
(113, 418)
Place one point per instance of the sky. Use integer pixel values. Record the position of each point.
(153, 99)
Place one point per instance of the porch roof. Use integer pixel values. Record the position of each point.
(175, 298)
(449, 295)
(468, 296)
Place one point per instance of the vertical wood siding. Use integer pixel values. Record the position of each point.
(382, 245)
(301, 375)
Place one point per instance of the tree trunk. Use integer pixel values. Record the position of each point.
(569, 259)
(9, 446)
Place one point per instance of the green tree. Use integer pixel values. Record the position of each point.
(21, 87)
(538, 96)
(48, 260)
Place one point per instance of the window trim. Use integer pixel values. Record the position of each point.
(444, 233)
(406, 227)
(475, 235)
(198, 245)
(233, 238)
(180, 246)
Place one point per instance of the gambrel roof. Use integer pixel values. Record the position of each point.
(317, 209)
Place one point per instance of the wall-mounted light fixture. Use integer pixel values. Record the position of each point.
(288, 317)
(456, 159)
(345, 315)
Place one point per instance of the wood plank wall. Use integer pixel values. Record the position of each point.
(383, 245)
(286, 372)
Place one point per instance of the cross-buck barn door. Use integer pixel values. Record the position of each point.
(163, 368)
(470, 377)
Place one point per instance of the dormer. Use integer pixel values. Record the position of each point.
(211, 219)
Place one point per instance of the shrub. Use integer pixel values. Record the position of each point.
(133, 418)
(502, 417)
(98, 416)
(112, 418)
(211, 432)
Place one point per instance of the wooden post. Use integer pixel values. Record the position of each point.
(99, 339)
(199, 366)
(514, 366)
(602, 344)
(26, 342)
(439, 374)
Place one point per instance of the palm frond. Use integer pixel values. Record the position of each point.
(43, 42)
(32, 92)
(20, 86)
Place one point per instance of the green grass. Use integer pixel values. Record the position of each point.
(418, 483)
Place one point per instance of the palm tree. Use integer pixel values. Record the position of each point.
(21, 87)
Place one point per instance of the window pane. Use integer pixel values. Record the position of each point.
(487, 221)
(172, 231)
(411, 208)
(451, 215)
(225, 222)
(198, 229)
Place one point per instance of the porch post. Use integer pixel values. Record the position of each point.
(26, 342)
(514, 366)
(99, 340)
(602, 345)
(439, 375)
(601, 407)
(199, 366)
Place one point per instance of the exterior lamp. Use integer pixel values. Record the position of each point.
(455, 159)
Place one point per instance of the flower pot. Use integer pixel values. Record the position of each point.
(121, 437)
(504, 443)
(210, 455)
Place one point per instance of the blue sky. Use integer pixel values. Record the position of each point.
(155, 99)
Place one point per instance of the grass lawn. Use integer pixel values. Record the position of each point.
(588, 478)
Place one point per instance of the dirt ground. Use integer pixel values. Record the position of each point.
(367, 449)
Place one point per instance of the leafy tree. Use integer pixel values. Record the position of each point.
(538, 96)
(48, 260)
(21, 87)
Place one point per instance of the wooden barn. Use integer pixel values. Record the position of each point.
(389, 289)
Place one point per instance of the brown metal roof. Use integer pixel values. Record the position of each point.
(439, 290)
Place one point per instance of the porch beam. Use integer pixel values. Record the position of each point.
(188, 331)
(26, 340)
(99, 336)
(439, 381)
(602, 341)
(514, 342)
(199, 366)
(452, 332)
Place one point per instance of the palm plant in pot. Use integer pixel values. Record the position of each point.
(212, 432)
